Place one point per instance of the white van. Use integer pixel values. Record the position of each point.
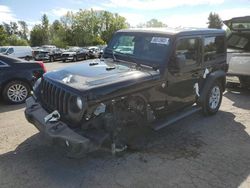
(24, 52)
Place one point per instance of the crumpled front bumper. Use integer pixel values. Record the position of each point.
(57, 132)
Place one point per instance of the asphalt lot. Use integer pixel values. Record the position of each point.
(195, 152)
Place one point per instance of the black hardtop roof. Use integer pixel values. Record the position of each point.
(174, 31)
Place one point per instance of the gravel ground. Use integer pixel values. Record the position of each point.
(195, 152)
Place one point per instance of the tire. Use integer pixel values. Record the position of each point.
(213, 99)
(244, 81)
(27, 58)
(74, 59)
(86, 57)
(16, 92)
(51, 59)
(64, 60)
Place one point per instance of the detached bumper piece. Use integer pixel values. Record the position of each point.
(57, 132)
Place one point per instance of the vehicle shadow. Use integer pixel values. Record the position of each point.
(7, 108)
(196, 152)
(239, 96)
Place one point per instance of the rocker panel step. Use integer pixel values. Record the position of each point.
(170, 119)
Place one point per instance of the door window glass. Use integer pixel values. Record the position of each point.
(187, 50)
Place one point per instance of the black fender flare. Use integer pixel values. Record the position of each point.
(206, 83)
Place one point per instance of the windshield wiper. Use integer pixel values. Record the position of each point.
(131, 60)
(140, 65)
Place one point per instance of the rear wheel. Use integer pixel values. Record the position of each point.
(213, 99)
(16, 92)
(27, 58)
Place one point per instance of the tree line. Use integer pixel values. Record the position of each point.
(83, 28)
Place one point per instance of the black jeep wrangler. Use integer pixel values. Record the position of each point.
(146, 78)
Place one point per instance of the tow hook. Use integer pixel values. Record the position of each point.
(115, 150)
(53, 117)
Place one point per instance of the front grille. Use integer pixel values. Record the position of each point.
(54, 97)
(65, 55)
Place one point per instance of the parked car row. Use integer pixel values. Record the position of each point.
(79, 53)
(50, 53)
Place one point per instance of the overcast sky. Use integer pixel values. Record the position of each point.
(174, 13)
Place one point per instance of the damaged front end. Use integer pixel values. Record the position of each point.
(56, 131)
(69, 121)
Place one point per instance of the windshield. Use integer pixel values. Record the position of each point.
(149, 49)
(3, 50)
(239, 41)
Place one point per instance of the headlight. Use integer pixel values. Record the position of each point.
(76, 104)
(79, 103)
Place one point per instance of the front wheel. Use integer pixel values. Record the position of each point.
(16, 92)
(213, 99)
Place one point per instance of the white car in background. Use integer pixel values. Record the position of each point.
(238, 42)
(23, 52)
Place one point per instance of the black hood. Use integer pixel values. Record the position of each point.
(84, 76)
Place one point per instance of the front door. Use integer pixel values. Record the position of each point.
(184, 71)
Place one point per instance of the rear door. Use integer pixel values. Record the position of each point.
(183, 72)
